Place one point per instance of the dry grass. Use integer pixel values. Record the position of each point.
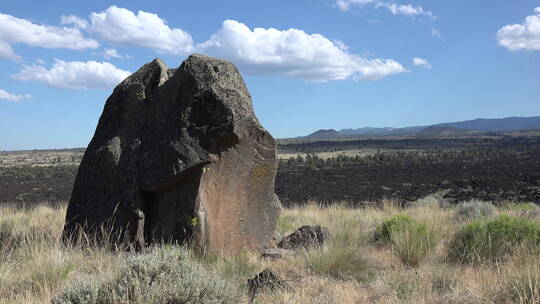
(433, 280)
(33, 263)
(35, 267)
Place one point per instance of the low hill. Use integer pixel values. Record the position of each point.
(443, 131)
(477, 125)
(369, 131)
(497, 124)
(324, 134)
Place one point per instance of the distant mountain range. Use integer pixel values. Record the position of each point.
(442, 129)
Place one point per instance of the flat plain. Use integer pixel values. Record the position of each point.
(440, 193)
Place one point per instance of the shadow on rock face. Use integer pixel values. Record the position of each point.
(179, 155)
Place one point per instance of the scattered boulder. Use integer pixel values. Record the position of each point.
(266, 279)
(305, 237)
(178, 154)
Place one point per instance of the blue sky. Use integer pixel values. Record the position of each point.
(308, 64)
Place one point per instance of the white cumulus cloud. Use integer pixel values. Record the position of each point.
(524, 36)
(122, 26)
(74, 75)
(262, 51)
(421, 62)
(395, 9)
(14, 30)
(13, 97)
(293, 53)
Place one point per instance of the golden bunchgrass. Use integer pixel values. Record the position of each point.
(35, 266)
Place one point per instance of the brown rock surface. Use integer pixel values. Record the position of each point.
(179, 154)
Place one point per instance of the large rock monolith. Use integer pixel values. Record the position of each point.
(178, 155)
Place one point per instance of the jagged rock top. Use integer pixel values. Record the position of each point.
(206, 99)
(205, 70)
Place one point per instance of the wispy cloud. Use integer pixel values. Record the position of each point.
(394, 8)
(13, 97)
(421, 62)
(7, 52)
(435, 32)
(406, 10)
(524, 36)
(112, 53)
(345, 5)
(74, 20)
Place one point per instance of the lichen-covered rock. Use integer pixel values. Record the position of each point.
(179, 154)
(305, 237)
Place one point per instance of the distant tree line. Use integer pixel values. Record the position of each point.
(408, 158)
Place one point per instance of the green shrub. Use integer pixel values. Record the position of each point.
(411, 241)
(474, 209)
(384, 231)
(165, 275)
(491, 239)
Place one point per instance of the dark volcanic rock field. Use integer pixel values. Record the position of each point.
(494, 170)
(501, 169)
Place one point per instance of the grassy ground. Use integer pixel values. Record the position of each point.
(412, 266)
